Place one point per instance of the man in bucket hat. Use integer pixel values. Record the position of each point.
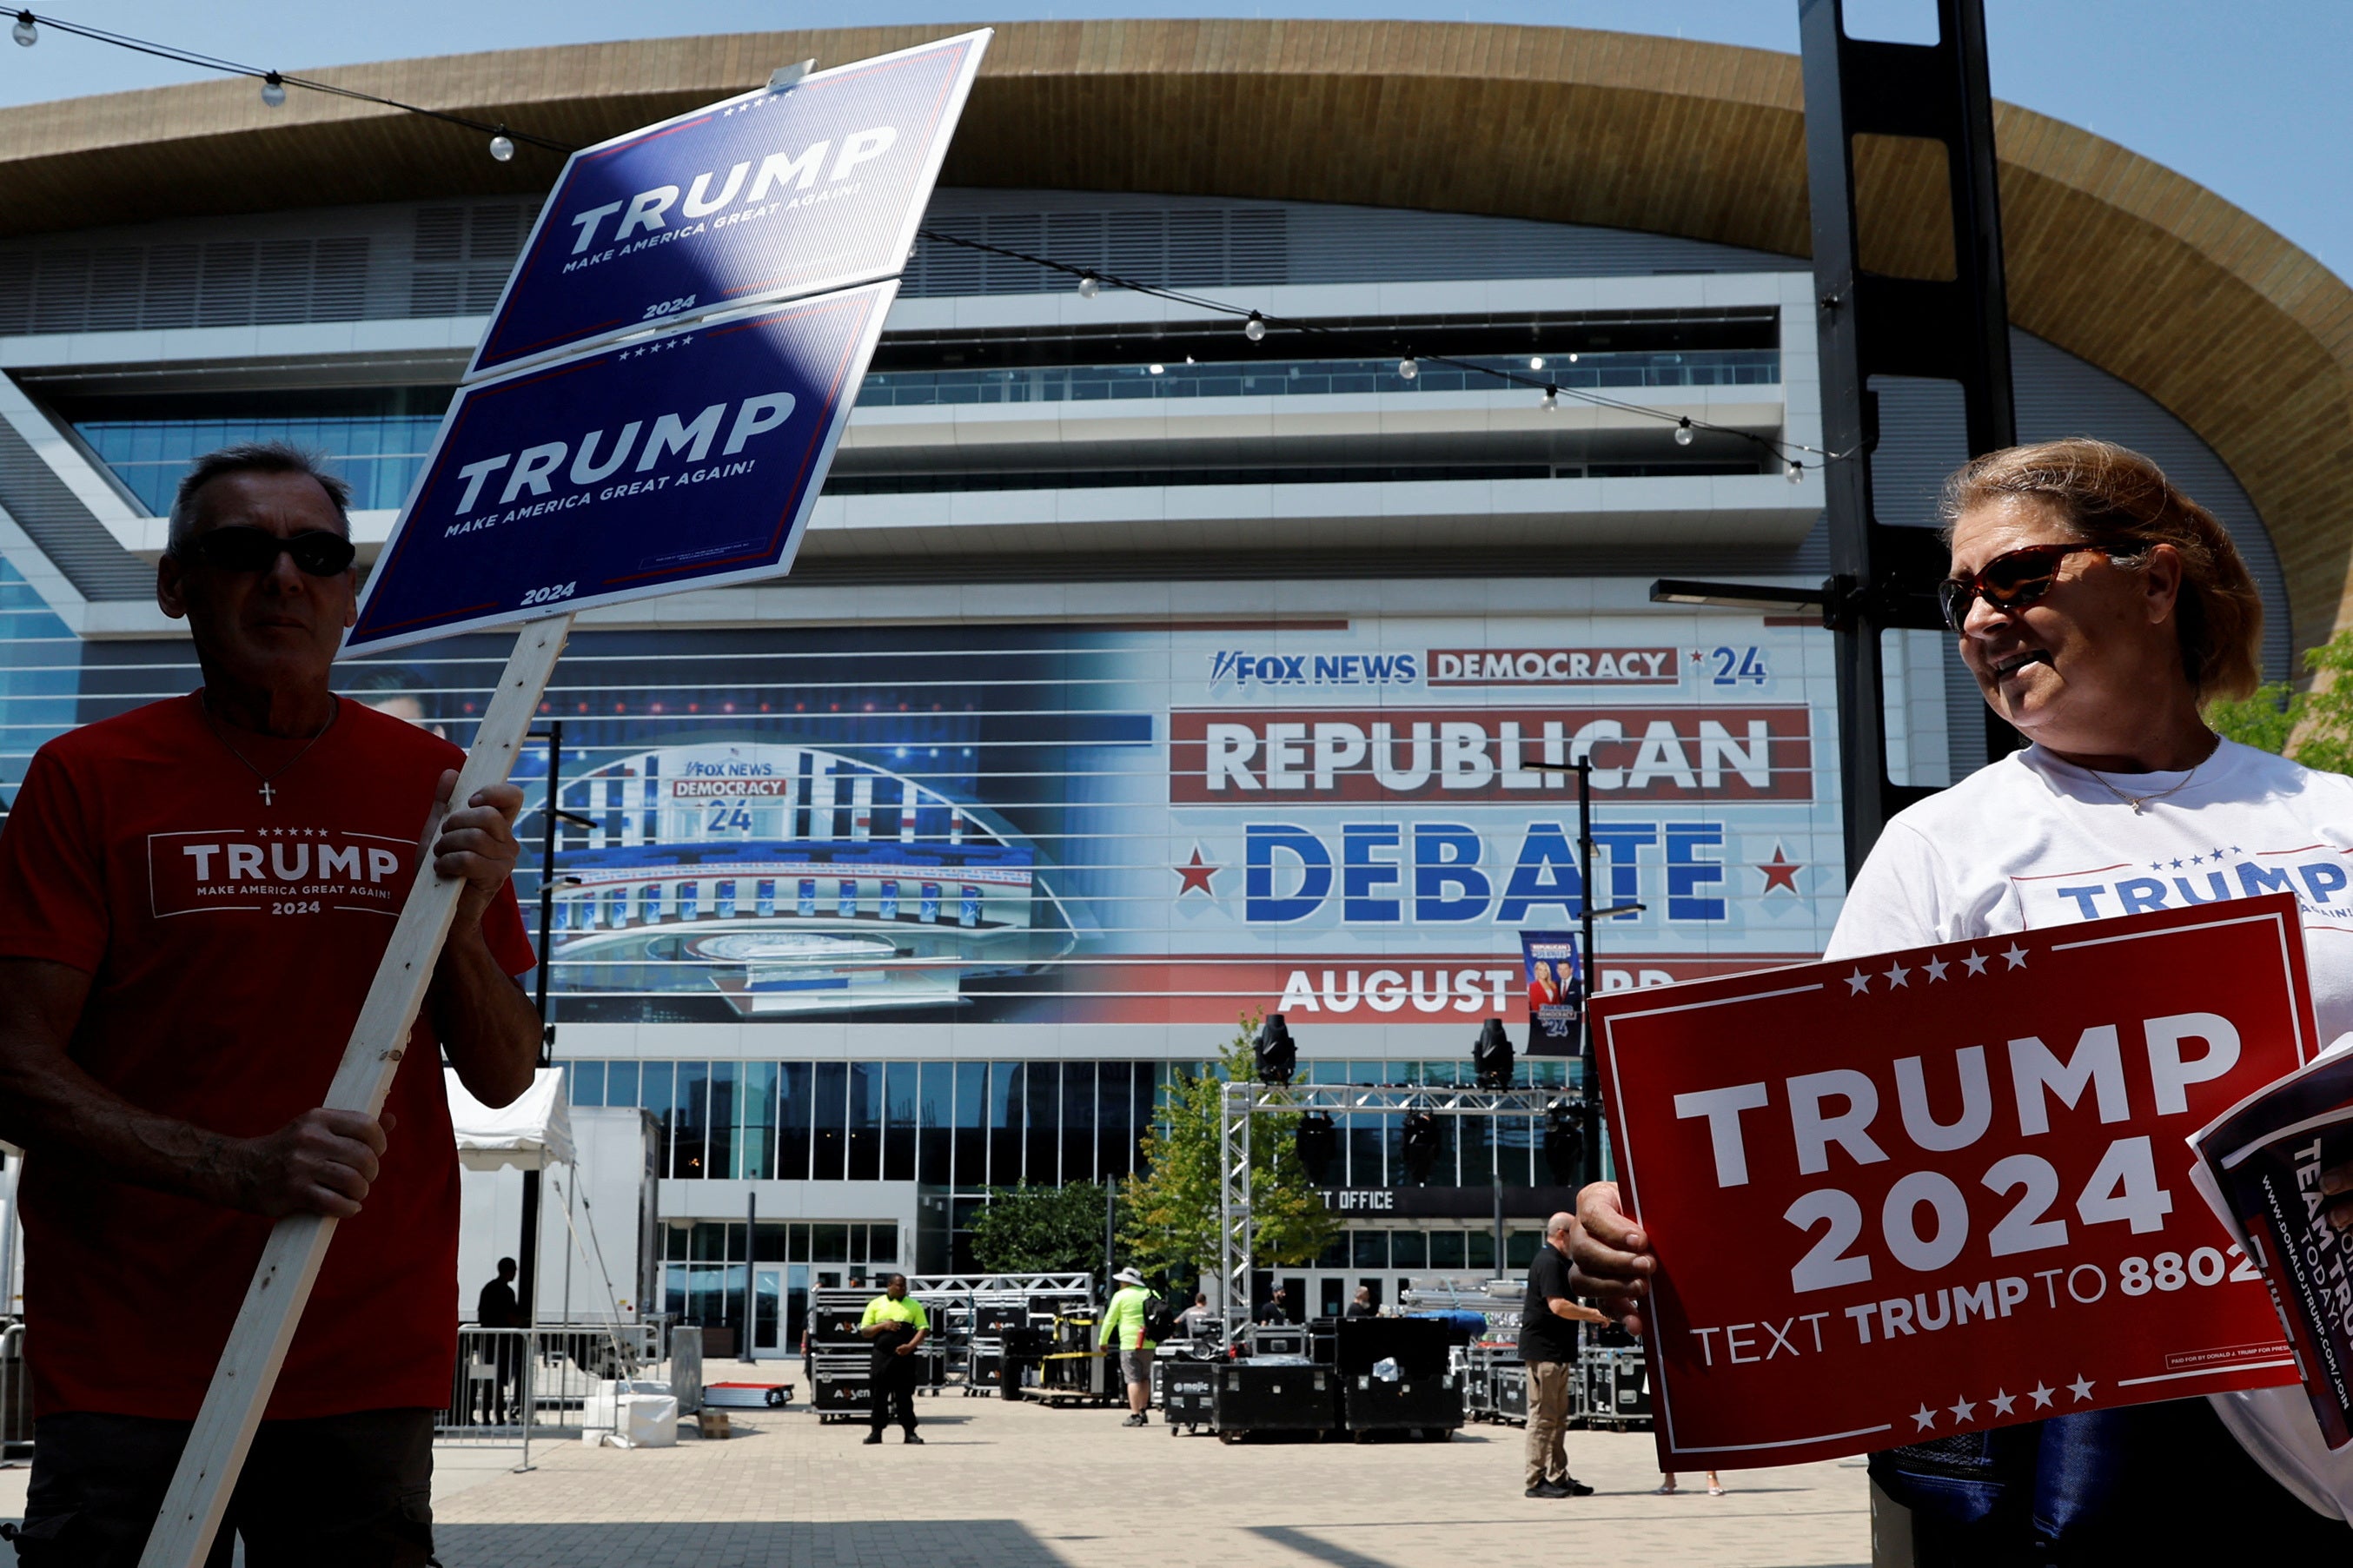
(1124, 1331)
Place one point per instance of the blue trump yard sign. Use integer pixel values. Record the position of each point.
(770, 195)
(686, 459)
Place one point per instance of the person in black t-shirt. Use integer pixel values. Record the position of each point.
(1548, 1346)
(498, 1307)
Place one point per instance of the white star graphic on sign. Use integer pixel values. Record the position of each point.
(1896, 976)
(1975, 959)
(2042, 1392)
(1963, 1410)
(2017, 956)
(1857, 982)
(1926, 1417)
(2003, 1402)
(1935, 969)
(2082, 1387)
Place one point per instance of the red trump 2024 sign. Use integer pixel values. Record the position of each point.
(1900, 1198)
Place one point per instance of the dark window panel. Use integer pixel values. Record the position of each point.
(1520, 1248)
(899, 1096)
(935, 1114)
(1446, 1250)
(795, 1106)
(1115, 1135)
(583, 1083)
(720, 1142)
(832, 1242)
(1005, 1080)
(1409, 1249)
(865, 1121)
(1041, 1094)
(690, 1120)
(756, 1136)
(829, 1138)
(973, 1101)
(882, 1243)
(656, 1093)
(1078, 1122)
(1369, 1248)
(1150, 1078)
(621, 1084)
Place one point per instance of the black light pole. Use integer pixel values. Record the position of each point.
(1590, 1093)
(527, 1255)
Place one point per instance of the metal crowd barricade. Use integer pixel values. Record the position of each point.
(15, 1396)
(513, 1385)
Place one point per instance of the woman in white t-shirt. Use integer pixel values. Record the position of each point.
(2099, 609)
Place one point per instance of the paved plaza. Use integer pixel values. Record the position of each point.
(998, 1485)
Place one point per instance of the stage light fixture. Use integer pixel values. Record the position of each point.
(1319, 1144)
(1536, 362)
(1491, 1056)
(1420, 1139)
(1276, 1055)
(1564, 1140)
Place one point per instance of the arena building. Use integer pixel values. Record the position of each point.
(1138, 675)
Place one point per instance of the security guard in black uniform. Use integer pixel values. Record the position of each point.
(897, 1326)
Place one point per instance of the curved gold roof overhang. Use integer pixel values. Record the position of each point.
(2112, 258)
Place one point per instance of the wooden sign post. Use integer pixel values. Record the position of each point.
(199, 1494)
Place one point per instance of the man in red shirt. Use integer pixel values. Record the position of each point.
(194, 897)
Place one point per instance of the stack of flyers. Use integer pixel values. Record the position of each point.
(2278, 1168)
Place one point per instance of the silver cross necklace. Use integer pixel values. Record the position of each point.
(269, 795)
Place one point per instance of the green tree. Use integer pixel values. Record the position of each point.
(1169, 1211)
(2313, 727)
(1040, 1230)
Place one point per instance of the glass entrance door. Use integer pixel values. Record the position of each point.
(767, 1315)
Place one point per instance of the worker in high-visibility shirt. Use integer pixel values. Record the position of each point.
(897, 1325)
(1122, 1331)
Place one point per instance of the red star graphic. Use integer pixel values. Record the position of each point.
(1780, 871)
(1196, 874)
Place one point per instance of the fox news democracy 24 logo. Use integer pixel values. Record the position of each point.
(1242, 668)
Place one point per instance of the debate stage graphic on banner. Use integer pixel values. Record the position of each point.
(1350, 821)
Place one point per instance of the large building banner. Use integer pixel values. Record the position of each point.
(1350, 821)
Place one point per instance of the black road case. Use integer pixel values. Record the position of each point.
(1616, 1387)
(1188, 1394)
(841, 1387)
(1273, 1396)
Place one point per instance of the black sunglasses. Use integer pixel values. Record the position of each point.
(2011, 580)
(316, 552)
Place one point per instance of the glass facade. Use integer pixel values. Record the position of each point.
(375, 438)
(969, 1126)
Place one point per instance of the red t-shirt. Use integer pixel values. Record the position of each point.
(229, 945)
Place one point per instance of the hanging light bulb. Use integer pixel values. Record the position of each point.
(273, 90)
(1795, 471)
(1682, 433)
(1551, 399)
(1408, 367)
(1255, 328)
(24, 32)
(501, 147)
(1536, 362)
(1572, 358)
(1089, 285)
(1157, 369)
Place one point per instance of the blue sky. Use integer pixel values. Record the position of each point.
(2248, 98)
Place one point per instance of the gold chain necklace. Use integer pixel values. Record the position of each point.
(269, 795)
(2138, 801)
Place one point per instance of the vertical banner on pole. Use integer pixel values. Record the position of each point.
(1556, 991)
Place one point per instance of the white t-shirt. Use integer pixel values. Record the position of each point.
(2031, 842)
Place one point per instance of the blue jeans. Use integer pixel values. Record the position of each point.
(2158, 1483)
